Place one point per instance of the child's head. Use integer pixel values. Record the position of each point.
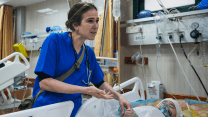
(170, 107)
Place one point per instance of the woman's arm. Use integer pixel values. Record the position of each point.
(108, 88)
(53, 85)
(122, 101)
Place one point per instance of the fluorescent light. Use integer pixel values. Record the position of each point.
(45, 10)
(49, 13)
(55, 10)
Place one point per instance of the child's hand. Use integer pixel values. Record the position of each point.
(128, 113)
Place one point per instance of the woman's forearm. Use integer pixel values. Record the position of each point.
(54, 85)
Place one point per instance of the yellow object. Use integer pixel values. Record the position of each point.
(206, 66)
(20, 48)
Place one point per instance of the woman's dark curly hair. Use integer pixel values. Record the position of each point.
(76, 12)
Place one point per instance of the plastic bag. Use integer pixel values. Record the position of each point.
(110, 108)
(148, 111)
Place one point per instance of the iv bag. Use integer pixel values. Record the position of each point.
(160, 19)
(116, 9)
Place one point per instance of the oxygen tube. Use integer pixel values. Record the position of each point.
(165, 109)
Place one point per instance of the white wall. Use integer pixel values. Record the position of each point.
(37, 22)
(167, 65)
(126, 10)
(168, 68)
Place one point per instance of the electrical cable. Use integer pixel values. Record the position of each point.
(182, 69)
(192, 65)
(158, 71)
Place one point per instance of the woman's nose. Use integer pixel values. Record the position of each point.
(96, 25)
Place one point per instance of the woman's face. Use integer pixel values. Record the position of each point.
(89, 25)
(172, 107)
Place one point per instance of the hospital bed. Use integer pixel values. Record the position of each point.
(94, 106)
(91, 108)
(8, 78)
(8, 74)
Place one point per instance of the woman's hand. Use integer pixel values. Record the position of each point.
(128, 113)
(124, 103)
(93, 91)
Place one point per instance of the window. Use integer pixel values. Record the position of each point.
(181, 5)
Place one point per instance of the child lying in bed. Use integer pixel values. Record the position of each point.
(166, 108)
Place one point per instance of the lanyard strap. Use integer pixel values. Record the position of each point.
(78, 63)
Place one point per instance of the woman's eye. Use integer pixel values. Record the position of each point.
(90, 21)
(97, 21)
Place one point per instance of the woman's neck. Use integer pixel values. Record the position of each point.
(78, 40)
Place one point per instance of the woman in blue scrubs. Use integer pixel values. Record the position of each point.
(59, 53)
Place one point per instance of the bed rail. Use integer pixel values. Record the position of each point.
(12, 69)
(94, 106)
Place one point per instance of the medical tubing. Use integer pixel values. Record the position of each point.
(141, 52)
(159, 73)
(14, 102)
(192, 66)
(188, 107)
(116, 37)
(191, 52)
(203, 52)
(29, 73)
(142, 61)
(163, 7)
(114, 79)
(156, 63)
(140, 47)
(68, 3)
(2, 111)
(182, 69)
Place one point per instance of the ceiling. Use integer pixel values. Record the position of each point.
(16, 3)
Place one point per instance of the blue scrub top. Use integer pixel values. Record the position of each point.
(56, 58)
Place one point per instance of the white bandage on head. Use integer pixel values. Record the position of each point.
(179, 112)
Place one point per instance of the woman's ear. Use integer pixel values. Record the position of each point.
(75, 25)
